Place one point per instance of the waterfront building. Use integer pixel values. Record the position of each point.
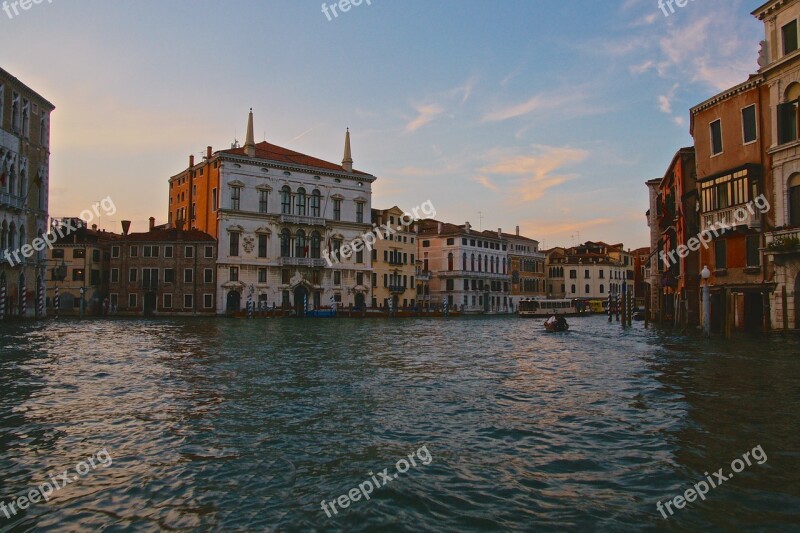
(731, 135)
(641, 275)
(594, 270)
(164, 271)
(780, 67)
(79, 264)
(528, 277)
(556, 284)
(675, 208)
(394, 262)
(468, 269)
(24, 200)
(656, 269)
(281, 219)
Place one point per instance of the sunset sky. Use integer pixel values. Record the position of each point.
(548, 114)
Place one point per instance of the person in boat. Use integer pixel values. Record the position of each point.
(552, 321)
(561, 322)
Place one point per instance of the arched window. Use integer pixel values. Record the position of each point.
(12, 181)
(480, 263)
(491, 265)
(450, 261)
(4, 236)
(464, 262)
(472, 262)
(316, 202)
(12, 237)
(794, 200)
(504, 265)
(286, 200)
(23, 183)
(315, 245)
(301, 202)
(286, 243)
(300, 244)
(486, 263)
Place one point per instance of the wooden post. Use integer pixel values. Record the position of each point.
(728, 306)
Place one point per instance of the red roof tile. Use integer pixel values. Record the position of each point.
(265, 150)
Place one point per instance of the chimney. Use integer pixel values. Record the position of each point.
(517, 231)
(126, 227)
(440, 227)
(152, 223)
(191, 161)
(94, 227)
(208, 152)
(467, 227)
(499, 233)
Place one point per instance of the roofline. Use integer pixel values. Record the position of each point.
(764, 9)
(752, 82)
(17, 80)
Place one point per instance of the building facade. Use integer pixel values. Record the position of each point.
(280, 218)
(730, 131)
(556, 284)
(468, 269)
(527, 264)
(24, 185)
(394, 263)
(165, 271)
(780, 67)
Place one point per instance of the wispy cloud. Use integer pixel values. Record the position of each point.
(537, 103)
(309, 130)
(486, 182)
(426, 113)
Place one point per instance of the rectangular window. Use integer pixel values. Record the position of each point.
(132, 301)
(787, 122)
(169, 275)
(208, 275)
(78, 253)
(208, 301)
(234, 274)
(573, 274)
(57, 253)
(360, 213)
(715, 129)
(188, 275)
(337, 278)
(188, 252)
(168, 252)
(133, 275)
(213, 199)
(360, 257)
(789, 33)
(114, 275)
(134, 251)
(167, 301)
(753, 252)
(236, 198)
(114, 252)
(262, 246)
(720, 254)
(285, 276)
(78, 274)
(234, 244)
(188, 301)
(263, 200)
(209, 252)
(337, 209)
(262, 275)
(749, 127)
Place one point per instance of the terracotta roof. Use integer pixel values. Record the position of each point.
(168, 235)
(271, 152)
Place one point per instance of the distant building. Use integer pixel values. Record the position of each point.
(641, 275)
(394, 263)
(79, 260)
(556, 285)
(165, 271)
(528, 277)
(780, 67)
(590, 271)
(24, 200)
(468, 269)
(277, 215)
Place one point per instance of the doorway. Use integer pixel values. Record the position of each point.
(300, 300)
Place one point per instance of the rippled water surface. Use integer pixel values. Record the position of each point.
(250, 425)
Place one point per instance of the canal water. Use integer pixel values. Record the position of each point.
(224, 425)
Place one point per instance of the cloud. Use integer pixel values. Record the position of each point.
(426, 114)
(486, 182)
(540, 102)
(534, 174)
(465, 90)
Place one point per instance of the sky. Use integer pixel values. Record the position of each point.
(544, 114)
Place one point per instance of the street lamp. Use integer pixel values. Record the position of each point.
(706, 274)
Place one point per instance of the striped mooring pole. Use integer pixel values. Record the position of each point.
(41, 301)
(56, 302)
(3, 301)
(24, 305)
(250, 306)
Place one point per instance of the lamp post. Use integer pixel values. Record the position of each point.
(706, 274)
(83, 291)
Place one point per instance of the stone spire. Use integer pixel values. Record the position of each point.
(250, 143)
(347, 162)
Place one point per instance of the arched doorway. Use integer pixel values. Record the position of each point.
(234, 302)
(361, 303)
(300, 300)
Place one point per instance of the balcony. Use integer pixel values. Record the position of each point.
(301, 262)
(302, 220)
(471, 274)
(782, 244)
(397, 289)
(424, 276)
(724, 218)
(395, 261)
(12, 201)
